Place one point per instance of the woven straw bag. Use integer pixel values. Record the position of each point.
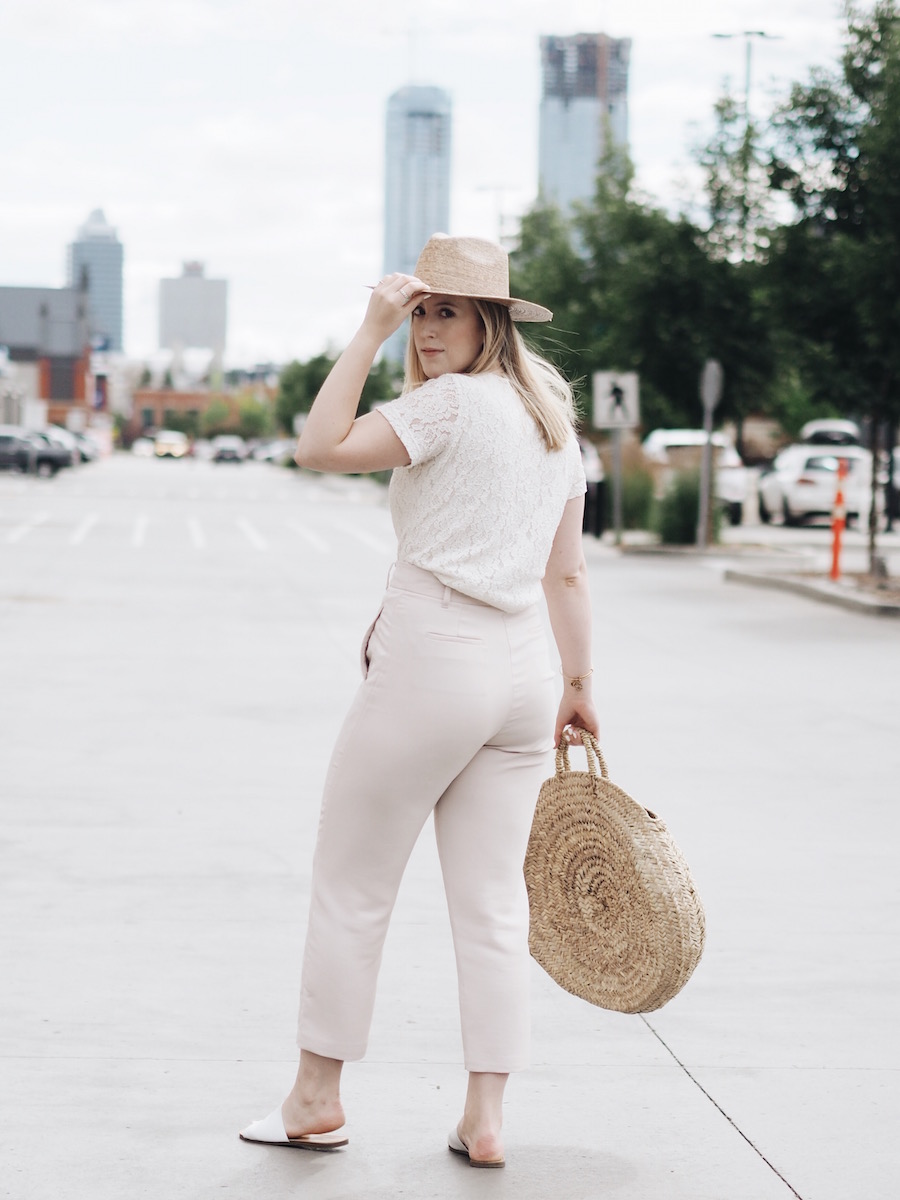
(615, 916)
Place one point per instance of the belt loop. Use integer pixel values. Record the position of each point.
(445, 599)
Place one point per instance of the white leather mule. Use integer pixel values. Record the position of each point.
(270, 1131)
(458, 1146)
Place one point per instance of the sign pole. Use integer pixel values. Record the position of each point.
(616, 407)
(710, 394)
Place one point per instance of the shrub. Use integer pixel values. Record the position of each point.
(677, 512)
(637, 499)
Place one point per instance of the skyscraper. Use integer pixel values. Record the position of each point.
(193, 311)
(584, 101)
(417, 181)
(95, 266)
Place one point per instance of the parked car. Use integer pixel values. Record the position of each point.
(279, 451)
(171, 443)
(29, 450)
(830, 432)
(670, 450)
(802, 481)
(143, 447)
(57, 436)
(228, 447)
(17, 453)
(89, 449)
(50, 454)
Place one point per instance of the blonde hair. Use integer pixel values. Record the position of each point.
(546, 395)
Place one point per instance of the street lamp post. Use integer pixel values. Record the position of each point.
(748, 35)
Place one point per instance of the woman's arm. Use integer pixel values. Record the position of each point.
(334, 438)
(569, 605)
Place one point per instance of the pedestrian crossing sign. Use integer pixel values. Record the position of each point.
(616, 400)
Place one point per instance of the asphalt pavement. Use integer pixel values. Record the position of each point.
(179, 642)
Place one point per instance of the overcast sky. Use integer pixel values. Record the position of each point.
(249, 134)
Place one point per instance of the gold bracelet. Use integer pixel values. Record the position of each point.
(575, 680)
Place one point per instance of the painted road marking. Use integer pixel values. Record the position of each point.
(308, 535)
(21, 531)
(198, 537)
(81, 531)
(140, 529)
(251, 534)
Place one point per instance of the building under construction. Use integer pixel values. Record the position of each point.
(584, 106)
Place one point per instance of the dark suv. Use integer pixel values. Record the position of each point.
(24, 450)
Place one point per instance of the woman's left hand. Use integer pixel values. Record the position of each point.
(391, 302)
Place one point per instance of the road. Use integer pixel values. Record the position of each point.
(179, 642)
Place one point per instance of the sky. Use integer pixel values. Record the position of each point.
(250, 135)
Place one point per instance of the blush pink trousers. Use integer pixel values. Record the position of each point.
(454, 717)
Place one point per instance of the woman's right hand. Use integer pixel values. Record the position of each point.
(575, 713)
(391, 302)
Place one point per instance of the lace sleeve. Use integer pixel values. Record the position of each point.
(577, 482)
(424, 420)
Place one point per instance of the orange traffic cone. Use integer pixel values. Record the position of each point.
(838, 520)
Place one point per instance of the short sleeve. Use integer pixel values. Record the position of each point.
(425, 419)
(577, 481)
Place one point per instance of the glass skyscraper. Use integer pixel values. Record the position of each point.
(95, 266)
(417, 181)
(584, 102)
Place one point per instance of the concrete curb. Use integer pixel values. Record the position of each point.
(821, 590)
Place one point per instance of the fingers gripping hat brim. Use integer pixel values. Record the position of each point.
(474, 268)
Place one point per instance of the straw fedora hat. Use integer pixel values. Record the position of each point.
(473, 267)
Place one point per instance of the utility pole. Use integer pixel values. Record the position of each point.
(748, 35)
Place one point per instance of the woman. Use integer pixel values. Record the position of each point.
(455, 712)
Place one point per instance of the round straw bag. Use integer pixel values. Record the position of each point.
(615, 917)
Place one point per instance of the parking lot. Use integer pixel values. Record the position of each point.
(179, 642)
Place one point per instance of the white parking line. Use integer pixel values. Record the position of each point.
(140, 528)
(374, 543)
(317, 543)
(21, 531)
(81, 531)
(252, 535)
(198, 537)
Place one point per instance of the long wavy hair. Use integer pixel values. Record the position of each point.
(546, 395)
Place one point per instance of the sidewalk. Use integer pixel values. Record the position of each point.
(163, 762)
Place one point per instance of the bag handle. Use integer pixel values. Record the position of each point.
(595, 760)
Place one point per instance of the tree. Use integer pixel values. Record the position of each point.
(255, 418)
(838, 266)
(633, 289)
(298, 386)
(300, 382)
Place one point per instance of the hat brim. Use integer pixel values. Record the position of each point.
(519, 310)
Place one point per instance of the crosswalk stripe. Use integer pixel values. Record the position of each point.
(140, 529)
(308, 535)
(21, 531)
(81, 531)
(253, 536)
(196, 531)
(374, 543)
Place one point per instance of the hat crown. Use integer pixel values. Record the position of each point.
(464, 266)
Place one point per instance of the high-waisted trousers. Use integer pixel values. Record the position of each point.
(454, 716)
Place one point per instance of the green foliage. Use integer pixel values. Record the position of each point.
(217, 418)
(637, 499)
(300, 382)
(298, 387)
(678, 511)
(183, 422)
(255, 418)
(836, 272)
(633, 289)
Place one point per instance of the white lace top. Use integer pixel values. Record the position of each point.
(482, 498)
